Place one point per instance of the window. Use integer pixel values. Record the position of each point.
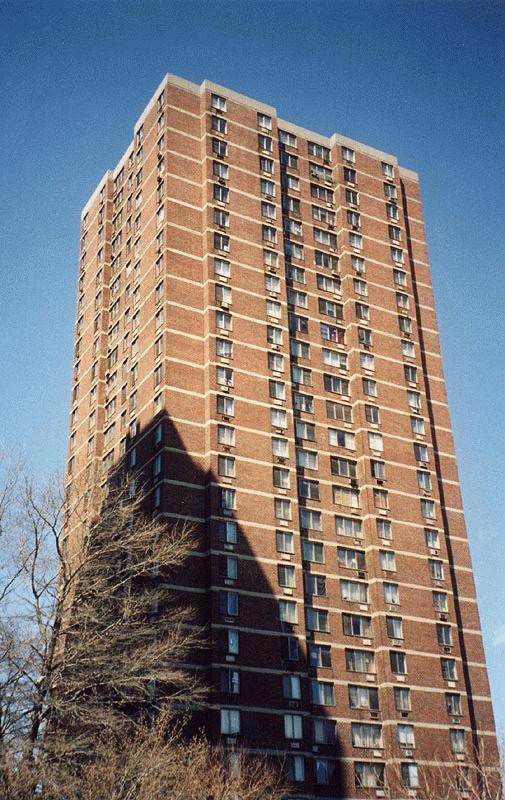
(284, 542)
(366, 735)
(287, 611)
(231, 642)
(221, 242)
(428, 509)
(324, 237)
(350, 175)
(344, 496)
(297, 298)
(338, 410)
(444, 635)
(306, 458)
(432, 538)
(392, 211)
(372, 415)
(398, 662)
(299, 349)
(224, 348)
(274, 335)
(266, 165)
(421, 452)
(265, 142)
(305, 430)
(230, 681)
(336, 385)
(359, 661)
(220, 170)
(351, 559)
(369, 775)
(367, 361)
(414, 400)
(375, 441)
(342, 467)
(453, 704)
(308, 489)
(228, 499)
(354, 219)
(356, 240)
(282, 508)
(402, 698)
(347, 526)
(381, 498)
(321, 693)
(230, 721)
(394, 627)
(417, 425)
(323, 215)
(301, 375)
(295, 274)
(303, 402)
(324, 731)
(326, 284)
(296, 768)
(218, 124)
(310, 520)
(320, 172)
(390, 191)
(354, 591)
(387, 170)
(222, 194)
(281, 477)
(291, 182)
(218, 102)
(410, 775)
(288, 139)
(228, 603)
(448, 667)
(325, 260)
(348, 155)
(400, 277)
(357, 625)
(321, 193)
(222, 267)
(387, 560)
(317, 619)
(364, 337)
(319, 655)
(410, 373)
(313, 551)
(288, 160)
(274, 309)
(226, 466)
(397, 254)
(436, 569)
(278, 417)
(225, 405)
(277, 390)
(291, 204)
(224, 376)
(424, 480)
(363, 697)
(330, 308)
(391, 593)
(286, 576)
(340, 438)
(291, 687)
(318, 150)
(315, 585)
(267, 187)
(292, 726)
(383, 527)
(369, 387)
(228, 532)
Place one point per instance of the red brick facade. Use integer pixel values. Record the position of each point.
(234, 258)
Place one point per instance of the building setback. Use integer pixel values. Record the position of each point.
(256, 336)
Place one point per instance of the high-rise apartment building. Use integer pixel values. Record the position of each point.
(256, 337)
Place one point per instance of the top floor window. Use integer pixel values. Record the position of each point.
(218, 103)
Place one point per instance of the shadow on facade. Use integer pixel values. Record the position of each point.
(249, 657)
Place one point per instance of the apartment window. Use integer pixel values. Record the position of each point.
(293, 726)
(323, 215)
(226, 466)
(305, 430)
(288, 160)
(268, 210)
(265, 142)
(338, 411)
(367, 361)
(372, 414)
(387, 170)
(295, 274)
(317, 619)
(448, 667)
(391, 593)
(230, 681)
(354, 591)
(286, 576)
(453, 705)
(223, 320)
(221, 242)
(390, 191)
(410, 776)
(397, 254)
(274, 309)
(281, 478)
(398, 662)
(346, 526)
(392, 211)
(408, 349)
(228, 532)
(220, 170)
(324, 731)
(432, 538)
(231, 642)
(336, 385)
(278, 417)
(228, 603)
(387, 560)
(436, 569)
(230, 721)
(400, 277)
(344, 496)
(355, 240)
(428, 509)
(384, 530)
(363, 697)
(310, 520)
(277, 390)
(330, 308)
(319, 655)
(291, 182)
(288, 139)
(225, 405)
(224, 376)
(326, 284)
(266, 165)
(315, 585)
(282, 508)
(417, 425)
(342, 467)
(356, 625)
(444, 635)
(218, 124)
(222, 195)
(274, 335)
(303, 402)
(313, 552)
(228, 499)
(306, 458)
(402, 698)
(321, 193)
(380, 498)
(359, 661)
(228, 567)
(284, 542)
(325, 260)
(421, 452)
(291, 687)
(308, 489)
(375, 441)
(272, 283)
(424, 480)
(341, 438)
(320, 172)
(224, 348)
(369, 775)
(296, 768)
(414, 400)
(394, 627)
(264, 121)
(365, 337)
(280, 447)
(267, 187)
(297, 298)
(365, 734)
(218, 102)
(351, 559)
(410, 373)
(330, 333)
(287, 611)
(299, 349)
(219, 147)
(291, 204)
(318, 150)
(321, 693)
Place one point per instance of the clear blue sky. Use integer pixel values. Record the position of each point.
(424, 81)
